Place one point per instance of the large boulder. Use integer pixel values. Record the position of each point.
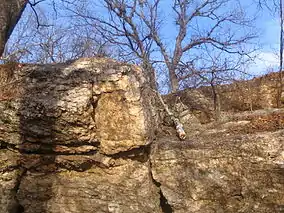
(92, 102)
(75, 137)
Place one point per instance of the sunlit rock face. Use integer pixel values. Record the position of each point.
(83, 137)
(233, 167)
(92, 102)
(75, 138)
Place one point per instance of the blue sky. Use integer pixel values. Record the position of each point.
(269, 30)
(267, 26)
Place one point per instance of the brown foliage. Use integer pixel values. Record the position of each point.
(269, 122)
(8, 84)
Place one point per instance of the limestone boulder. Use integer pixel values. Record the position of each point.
(222, 172)
(94, 102)
(122, 187)
(75, 137)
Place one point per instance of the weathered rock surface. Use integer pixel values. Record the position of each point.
(80, 137)
(224, 169)
(66, 183)
(94, 102)
(75, 138)
(125, 187)
(198, 104)
(257, 93)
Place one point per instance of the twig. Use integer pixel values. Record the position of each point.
(32, 5)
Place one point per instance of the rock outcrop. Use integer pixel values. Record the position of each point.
(257, 93)
(75, 138)
(86, 137)
(226, 170)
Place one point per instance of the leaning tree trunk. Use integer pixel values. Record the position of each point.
(10, 13)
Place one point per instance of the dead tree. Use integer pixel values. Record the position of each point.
(40, 38)
(190, 36)
(121, 29)
(215, 69)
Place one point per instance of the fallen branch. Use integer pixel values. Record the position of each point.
(178, 125)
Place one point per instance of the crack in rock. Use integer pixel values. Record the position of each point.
(14, 205)
(165, 206)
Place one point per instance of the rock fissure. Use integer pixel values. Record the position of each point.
(94, 99)
(140, 154)
(164, 205)
(14, 205)
(5, 145)
(9, 168)
(49, 149)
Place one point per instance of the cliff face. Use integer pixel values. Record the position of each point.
(84, 137)
(235, 167)
(76, 139)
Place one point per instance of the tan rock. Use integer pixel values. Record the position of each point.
(221, 173)
(125, 188)
(78, 134)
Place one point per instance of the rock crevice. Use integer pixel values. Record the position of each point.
(164, 204)
(14, 205)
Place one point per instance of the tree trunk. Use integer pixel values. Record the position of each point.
(150, 72)
(173, 80)
(280, 84)
(216, 100)
(250, 94)
(10, 13)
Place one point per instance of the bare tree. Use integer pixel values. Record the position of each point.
(215, 69)
(10, 13)
(191, 35)
(52, 39)
(135, 26)
(133, 37)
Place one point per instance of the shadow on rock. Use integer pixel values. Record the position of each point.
(54, 101)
